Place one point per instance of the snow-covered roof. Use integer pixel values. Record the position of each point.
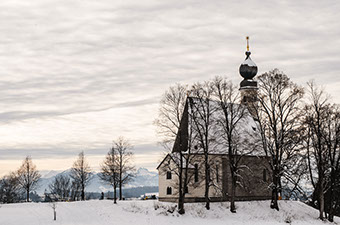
(246, 133)
(248, 62)
(150, 194)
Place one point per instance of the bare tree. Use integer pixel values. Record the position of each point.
(170, 114)
(125, 168)
(332, 142)
(75, 191)
(9, 189)
(174, 126)
(202, 111)
(314, 120)
(110, 171)
(279, 119)
(60, 187)
(323, 123)
(186, 151)
(28, 176)
(181, 163)
(232, 130)
(81, 173)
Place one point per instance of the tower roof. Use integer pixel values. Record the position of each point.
(248, 68)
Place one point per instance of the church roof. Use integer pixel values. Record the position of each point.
(246, 132)
(175, 157)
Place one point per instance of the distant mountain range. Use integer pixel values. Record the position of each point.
(143, 178)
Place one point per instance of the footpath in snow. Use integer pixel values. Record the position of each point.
(157, 213)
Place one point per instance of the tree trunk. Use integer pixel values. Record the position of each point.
(83, 193)
(55, 215)
(331, 217)
(233, 192)
(274, 204)
(232, 167)
(181, 204)
(331, 213)
(120, 188)
(28, 195)
(181, 209)
(331, 199)
(207, 181)
(180, 189)
(321, 201)
(115, 194)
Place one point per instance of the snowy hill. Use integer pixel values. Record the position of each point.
(143, 178)
(143, 212)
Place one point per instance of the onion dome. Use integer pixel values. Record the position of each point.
(248, 83)
(248, 68)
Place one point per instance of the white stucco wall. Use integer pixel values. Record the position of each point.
(196, 189)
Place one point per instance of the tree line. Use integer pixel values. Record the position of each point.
(116, 169)
(298, 129)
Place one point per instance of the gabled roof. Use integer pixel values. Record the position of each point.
(168, 155)
(191, 166)
(246, 128)
(175, 157)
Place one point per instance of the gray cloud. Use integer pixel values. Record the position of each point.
(7, 117)
(60, 152)
(77, 73)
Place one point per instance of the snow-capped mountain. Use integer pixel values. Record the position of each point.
(143, 178)
(49, 173)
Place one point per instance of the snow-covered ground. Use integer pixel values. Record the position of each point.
(143, 212)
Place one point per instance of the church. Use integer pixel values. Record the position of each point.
(254, 177)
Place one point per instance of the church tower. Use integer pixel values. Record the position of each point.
(248, 86)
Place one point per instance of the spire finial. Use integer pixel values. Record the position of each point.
(248, 68)
(247, 43)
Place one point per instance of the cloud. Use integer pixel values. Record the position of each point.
(79, 73)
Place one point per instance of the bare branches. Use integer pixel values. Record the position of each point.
(60, 187)
(28, 176)
(81, 173)
(9, 188)
(203, 122)
(230, 121)
(117, 169)
(170, 114)
(279, 116)
(323, 123)
(125, 168)
(110, 170)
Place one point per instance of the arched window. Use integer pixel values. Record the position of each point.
(168, 190)
(168, 175)
(264, 175)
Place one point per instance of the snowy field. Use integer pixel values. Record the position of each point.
(143, 212)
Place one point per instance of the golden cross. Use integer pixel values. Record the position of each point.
(247, 43)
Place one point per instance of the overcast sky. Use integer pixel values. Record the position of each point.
(75, 74)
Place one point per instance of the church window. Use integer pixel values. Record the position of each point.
(196, 172)
(168, 175)
(168, 190)
(264, 175)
